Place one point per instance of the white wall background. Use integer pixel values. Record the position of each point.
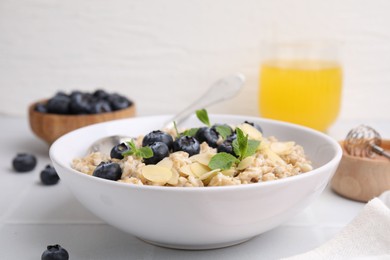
(163, 54)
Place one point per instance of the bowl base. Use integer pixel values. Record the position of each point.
(196, 247)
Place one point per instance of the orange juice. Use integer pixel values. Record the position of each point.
(306, 92)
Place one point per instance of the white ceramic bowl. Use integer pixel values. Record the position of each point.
(199, 217)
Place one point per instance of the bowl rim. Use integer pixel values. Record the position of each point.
(335, 160)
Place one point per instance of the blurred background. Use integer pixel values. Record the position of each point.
(164, 54)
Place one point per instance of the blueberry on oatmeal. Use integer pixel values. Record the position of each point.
(118, 150)
(108, 170)
(160, 151)
(158, 136)
(208, 135)
(226, 147)
(187, 144)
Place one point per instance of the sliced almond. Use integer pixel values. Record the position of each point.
(245, 163)
(282, 148)
(174, 180)
(273, 156)
(209, 174)
(156, 174)
(166, 162)
(252, 132)
(186, 170)
(202, 158)
(199, 169)
(230, 172)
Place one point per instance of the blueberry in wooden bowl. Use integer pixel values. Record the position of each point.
(53, 117)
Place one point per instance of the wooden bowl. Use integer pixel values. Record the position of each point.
(362, 179)
(49, 127)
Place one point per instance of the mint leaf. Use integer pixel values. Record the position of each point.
(222, 161)
(251, 148)
(190, 132)
(236, 148)
(203, 116)
(143, 152)
(223, 130)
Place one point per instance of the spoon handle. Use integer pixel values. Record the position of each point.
(221, 90)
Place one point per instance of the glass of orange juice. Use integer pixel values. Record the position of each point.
(301, 83)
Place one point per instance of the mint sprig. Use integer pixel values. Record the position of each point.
(142, 152)
(242, 146)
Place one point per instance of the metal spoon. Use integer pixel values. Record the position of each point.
(221, 90)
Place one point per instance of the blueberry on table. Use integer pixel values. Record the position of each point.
(255, 126)
(208, 135)
(118, 150)
(186, 144)
(158, 136)
(49, 175)
(24, 162)
(55, 252)
(108, 170)
(160, 151)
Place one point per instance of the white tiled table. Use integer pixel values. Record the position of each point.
(33, 216)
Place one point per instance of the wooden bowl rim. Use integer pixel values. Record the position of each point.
(385, 142)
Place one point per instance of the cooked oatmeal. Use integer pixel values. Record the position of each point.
(272, 160)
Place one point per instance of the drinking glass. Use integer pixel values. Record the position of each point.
(301, 83)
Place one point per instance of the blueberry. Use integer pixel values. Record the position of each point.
(118, 102)
(24, 162)
(231, 137)
(255, 126)
(186, 144)
(55, 252)
(80, 103)
(59, 104)
(227, 147)
(117, 150)
(100, 94)
(49, 175)
(208, 135)
(100, 106)
(74, 93)
(108, 170)
(41, 108)
(160, 151)
(158, 136)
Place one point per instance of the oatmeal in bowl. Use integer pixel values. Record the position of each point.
(211, 155)
(217, 197)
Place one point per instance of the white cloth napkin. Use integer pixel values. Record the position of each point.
(367, 236)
